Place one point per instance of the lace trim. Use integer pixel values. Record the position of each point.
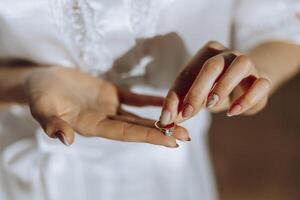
(143, 17)
(75, 19)
(91, 27)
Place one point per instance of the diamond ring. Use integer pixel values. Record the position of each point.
(167, 130)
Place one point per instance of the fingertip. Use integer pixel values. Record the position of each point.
(266, 82)
(170, 108)
(172, 144)
(165, 117)
(58, 128)
(62, 137)
(236, 109)
(176, 146)
(181, 133)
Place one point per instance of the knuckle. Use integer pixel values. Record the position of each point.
(213, 65)
(195, 99)
(236, 53)
(265, 83)
(245, 62)
(215, 45)
(222, 88)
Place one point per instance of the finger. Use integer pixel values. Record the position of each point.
(124, 131)
(173, 102)
(258, 107)
(220, 107)
(53, 125)
(206, 80)
(95, 124)
(196, 97)
(240, 68)
(130, 98)
(180, 133)
(56, 127)
(257, 92)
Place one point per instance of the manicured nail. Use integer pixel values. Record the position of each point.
(61, 136)
(185, 140)
(188, 111)
(176, 146)
(172, 146)
(165, 117)
(212, 100)
(235, 110)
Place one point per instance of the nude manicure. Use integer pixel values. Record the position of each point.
(212, 100)
(176, 146)
(235, 110)
(165, 117)
(61, 136)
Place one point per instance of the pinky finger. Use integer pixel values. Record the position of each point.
(258, 107)
(256, 93)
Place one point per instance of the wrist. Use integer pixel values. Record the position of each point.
(277, 61)
(13, 83)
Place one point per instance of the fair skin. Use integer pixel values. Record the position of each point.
(222, 79)
(65, 100)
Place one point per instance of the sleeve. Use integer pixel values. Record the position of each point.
(259, 21)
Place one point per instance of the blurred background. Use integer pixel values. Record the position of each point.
(258, 157)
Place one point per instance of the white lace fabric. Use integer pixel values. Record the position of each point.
(103, 30)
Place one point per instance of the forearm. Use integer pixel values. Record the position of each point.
(12, 79)
(278, 61)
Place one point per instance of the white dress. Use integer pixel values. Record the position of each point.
(141, 44)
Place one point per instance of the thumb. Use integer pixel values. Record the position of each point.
(134, 99)
(44, 110)
(56, 127)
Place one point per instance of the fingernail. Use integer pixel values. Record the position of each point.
(165, 117)
(235, 110)
(188, 111)
(61, 136)
(172, 146)
(212, 100)
(185, 140)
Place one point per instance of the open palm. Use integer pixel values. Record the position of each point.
(63, 100)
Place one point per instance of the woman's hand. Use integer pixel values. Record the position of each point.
(63, 100)
(218, 79)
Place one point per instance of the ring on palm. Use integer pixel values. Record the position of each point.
(167, 131)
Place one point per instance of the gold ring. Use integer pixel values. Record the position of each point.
(165, 130)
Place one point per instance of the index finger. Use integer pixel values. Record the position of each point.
(130, 132)
(174, 100)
